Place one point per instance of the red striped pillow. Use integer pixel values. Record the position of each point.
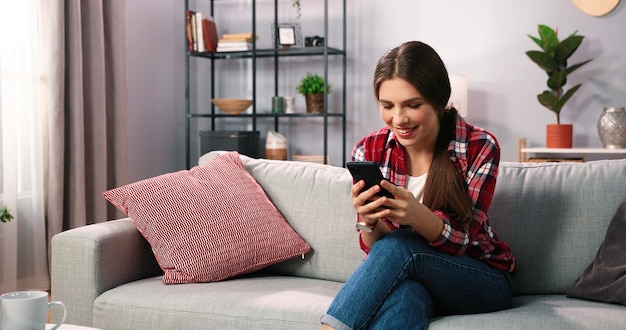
(209, 223)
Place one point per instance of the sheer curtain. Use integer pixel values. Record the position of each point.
(63, 114)
(24, 106)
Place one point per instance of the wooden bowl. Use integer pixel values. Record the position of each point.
(232, 106)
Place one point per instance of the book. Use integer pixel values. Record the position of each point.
(222, 50)
(194, 32)
(235, 39)
(247, 37)
(233, 46)
(239, 36)
(210, 34)
(188, 17)
(200, 32)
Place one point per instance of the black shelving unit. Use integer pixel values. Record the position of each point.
(323, 52)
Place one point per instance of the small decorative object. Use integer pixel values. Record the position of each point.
(553, 60)
(275, 146)
(278, 104)
(312, 86)
(314, 41)
(287, 35)
(289, 104)
(232, 106)
(612, 127)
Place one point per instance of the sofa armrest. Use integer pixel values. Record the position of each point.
(89, 260)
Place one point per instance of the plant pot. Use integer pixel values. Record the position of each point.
(559, 135)
(314, 103)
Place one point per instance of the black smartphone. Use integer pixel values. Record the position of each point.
(370, 173)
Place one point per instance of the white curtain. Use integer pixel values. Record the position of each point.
(25, 90)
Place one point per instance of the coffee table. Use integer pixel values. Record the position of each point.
(69, 327)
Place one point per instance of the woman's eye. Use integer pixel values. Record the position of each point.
(414, 106)
(386, 106)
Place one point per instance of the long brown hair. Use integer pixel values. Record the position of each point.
(418, 64)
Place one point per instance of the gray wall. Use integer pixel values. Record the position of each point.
(485, 40)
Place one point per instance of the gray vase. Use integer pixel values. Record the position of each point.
(612, 127)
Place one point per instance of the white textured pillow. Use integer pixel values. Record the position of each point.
(209, 223)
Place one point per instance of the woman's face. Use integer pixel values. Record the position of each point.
(413, 120)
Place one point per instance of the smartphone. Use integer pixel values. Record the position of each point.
(370, 173)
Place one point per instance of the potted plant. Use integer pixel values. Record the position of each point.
(553, 60)
(312, 86)
(5, 214)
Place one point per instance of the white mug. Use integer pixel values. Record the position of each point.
(27, 310)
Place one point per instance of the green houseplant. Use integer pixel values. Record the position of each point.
(5, 214)
(312, 86)
(552, 58)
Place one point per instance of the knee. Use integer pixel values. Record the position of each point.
(399, 240)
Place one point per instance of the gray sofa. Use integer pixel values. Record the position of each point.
(554, 215)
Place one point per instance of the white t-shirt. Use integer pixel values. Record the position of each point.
(415, 184)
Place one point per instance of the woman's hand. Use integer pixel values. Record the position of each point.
(405, 209)
(370, 209)
(368, 205)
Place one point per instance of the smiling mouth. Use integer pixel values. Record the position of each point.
(405, 131)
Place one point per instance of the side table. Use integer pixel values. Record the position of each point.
(523, 152)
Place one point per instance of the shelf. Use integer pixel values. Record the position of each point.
(266, 115)
(579, 151)
(272, 52)
(523, 151)
(206, 117)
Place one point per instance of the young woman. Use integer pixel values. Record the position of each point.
(431, 250)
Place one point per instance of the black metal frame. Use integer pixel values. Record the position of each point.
(276, 53)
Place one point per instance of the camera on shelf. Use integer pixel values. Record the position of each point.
(315, 41)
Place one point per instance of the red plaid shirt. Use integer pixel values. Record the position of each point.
(476, 155)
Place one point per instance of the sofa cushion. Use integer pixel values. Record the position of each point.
(540, 312)
(258, 302)
(555, 216)
(209, 223)
(315, 200)
(605, 278)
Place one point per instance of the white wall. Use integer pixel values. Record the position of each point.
(156, 91)
(485, 40)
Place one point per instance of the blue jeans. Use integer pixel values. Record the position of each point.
(404, 281)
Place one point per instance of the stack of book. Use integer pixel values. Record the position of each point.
(235, 42)
(201, 32)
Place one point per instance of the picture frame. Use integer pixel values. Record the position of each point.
(287, 35)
